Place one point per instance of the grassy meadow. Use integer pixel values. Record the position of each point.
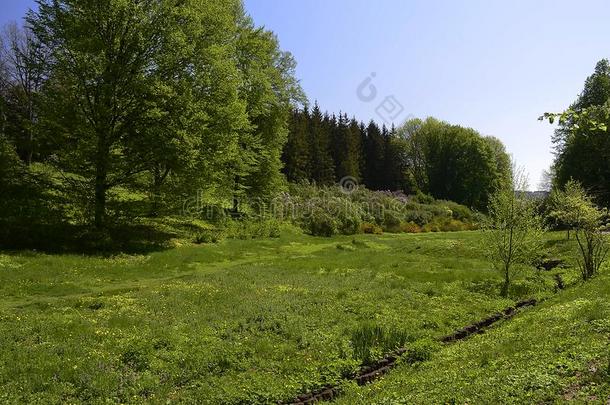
(257, 321)
(558, 352)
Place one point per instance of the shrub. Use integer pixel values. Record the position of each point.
(208, 236)
(391, 221)
(458, 211)
(320, 223)
(367, 227)
(419, 216)
(453, 225)
(363, 208)
(423, 198)
(410, 227)
(349, 220)
(431, 227)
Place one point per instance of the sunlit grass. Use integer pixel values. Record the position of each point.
(236, 322)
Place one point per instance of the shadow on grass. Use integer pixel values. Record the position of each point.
(81, 239)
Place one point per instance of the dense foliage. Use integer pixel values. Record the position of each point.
(326, 211)
(126, 109)
(446, 161)
(582, 141)
(162, 98)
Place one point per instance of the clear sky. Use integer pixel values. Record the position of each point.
(488, 64)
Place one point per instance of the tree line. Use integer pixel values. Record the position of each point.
(428, 156)
(106, 103)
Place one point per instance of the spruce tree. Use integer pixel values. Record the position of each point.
(323, 171)
(297, 153)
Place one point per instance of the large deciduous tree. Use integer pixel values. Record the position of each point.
(582, 140)
(105, 61)
(454, 163)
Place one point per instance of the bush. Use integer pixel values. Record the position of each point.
(453, 225)
(423, 198)
(364, 209)
(392, 220)
(431, 227)
(367, 227)
(410, 227)
(208, 236)
(349, 219)
(320, 223)
(459, 212)
(419, 216)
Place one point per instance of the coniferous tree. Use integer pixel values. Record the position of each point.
(374, 156)
(297, 153)
(355, 149)
(321, 159)
(346, 148)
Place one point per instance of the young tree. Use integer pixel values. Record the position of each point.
(574, 208)
(513, 230)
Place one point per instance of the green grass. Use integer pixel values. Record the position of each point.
(555, 353)
(242, 321)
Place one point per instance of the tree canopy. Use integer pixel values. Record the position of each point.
(157, 96)
(582, 142)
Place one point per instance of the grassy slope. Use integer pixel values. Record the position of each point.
(557, 352)
(241, 322)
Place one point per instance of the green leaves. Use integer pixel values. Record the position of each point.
(454, 163)
(581, 140)
(575, 209)
(514, 229)
(163, 97)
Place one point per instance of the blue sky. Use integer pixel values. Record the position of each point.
(491, 65)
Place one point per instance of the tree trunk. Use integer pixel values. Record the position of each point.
(156, 192)
(158, 178)
(506, 285)
(101, 174)
(30, 153)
